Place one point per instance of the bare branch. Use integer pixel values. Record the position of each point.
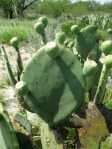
(29, 4)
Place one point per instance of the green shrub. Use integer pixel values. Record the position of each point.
(2, 97)
(102, 35)
(66, 27)
(6, 33)
(53, 8)
(4, 81)
(12, 28)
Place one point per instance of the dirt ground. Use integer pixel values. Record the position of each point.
(11, 103)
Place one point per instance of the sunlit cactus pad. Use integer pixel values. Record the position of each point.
(56, 85)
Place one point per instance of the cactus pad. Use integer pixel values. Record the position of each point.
(109, 31)
(75, 29)
(108, 61)
(21, 88)
(89, 68)
(43, 20)
(56, 85)
(86, 43)
(14, 42)
(49, 138)
(52, 49)
(39, 28)
(60, 37)
(7, 136)
(106, 47)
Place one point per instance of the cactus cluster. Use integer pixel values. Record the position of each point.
(54, 81)
(57, 88)
(40, 29)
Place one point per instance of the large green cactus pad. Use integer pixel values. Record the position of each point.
(56, 85)
(7, 136)
(86, 43)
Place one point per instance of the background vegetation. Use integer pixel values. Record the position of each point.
(18, 16)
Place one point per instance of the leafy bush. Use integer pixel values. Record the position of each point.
(66, 27)
(4, 81)
(11, 28)
(53, 9)
(6, 33)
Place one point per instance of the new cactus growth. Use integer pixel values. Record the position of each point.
(106, 47)
(90, 68)
(43, 20)
(15, 42)
(21, 88)
(108, 61)
(60, 37)
(75, 29)
(52, 49)
(39, 28)
(109, 31)
(107, 64)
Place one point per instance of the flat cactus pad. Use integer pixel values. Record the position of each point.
(56, 85)
(7, 135)
(86, 43)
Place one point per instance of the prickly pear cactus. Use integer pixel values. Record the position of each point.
(49, 138)
(60, 37)
(86, 43)
(7, 135)
(106, 47)
(55, 83)
(43, 20)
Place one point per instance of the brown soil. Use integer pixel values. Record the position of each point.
(11, 103)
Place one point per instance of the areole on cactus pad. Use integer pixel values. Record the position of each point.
(56, 85)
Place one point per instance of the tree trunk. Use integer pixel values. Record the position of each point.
(11, 14)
